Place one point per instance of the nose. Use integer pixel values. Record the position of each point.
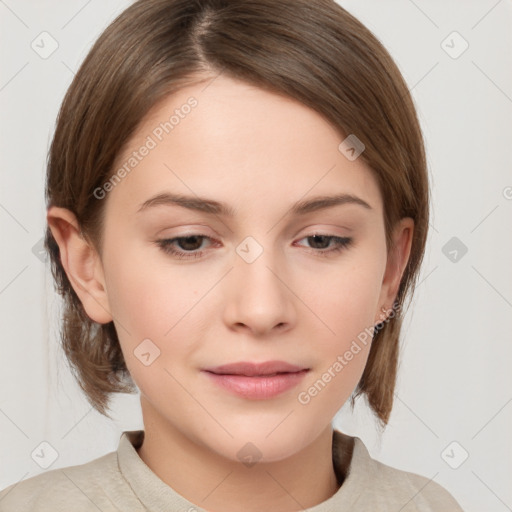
(258, 297)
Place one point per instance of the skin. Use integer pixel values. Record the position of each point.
(259, 153)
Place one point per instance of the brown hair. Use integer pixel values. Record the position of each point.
(310, 50)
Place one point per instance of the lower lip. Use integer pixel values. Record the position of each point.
(258, 388)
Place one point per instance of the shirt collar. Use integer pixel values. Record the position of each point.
(350, 459)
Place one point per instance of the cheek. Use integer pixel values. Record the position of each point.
(342, 351)
(150, 314)
(346, 301)
(347, 297)
(150, 302)
(149, 297)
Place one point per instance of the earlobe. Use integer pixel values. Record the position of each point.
(395, 266)
(81, 264)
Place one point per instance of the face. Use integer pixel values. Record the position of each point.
(192, 285)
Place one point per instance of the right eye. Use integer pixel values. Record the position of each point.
(189, 245)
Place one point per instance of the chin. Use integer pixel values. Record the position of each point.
(258, 442)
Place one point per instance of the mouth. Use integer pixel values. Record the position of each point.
(249, 369)
(257, 381)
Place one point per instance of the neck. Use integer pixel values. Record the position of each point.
(218, 484)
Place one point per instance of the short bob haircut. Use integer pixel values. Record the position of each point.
(313, 51)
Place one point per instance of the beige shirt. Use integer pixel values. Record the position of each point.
(121, 481)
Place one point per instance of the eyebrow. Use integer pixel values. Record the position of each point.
(210, 206)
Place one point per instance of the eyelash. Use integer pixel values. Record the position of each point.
(166, 245)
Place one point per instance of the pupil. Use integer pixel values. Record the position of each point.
(184, 243)
(316, 238)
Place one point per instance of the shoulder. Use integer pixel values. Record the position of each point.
(96, 485)
(385, 488)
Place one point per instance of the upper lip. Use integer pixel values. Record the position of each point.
(250, 369)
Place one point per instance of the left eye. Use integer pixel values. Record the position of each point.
(188, 246)
(325, 240)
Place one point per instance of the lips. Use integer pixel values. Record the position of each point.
(248, 369)
(256, 381)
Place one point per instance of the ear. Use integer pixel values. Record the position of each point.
(81, 263)
(397, 261)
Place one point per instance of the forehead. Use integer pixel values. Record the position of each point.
(234, 141)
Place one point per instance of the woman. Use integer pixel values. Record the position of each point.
(237, 209)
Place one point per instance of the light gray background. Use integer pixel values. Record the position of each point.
(455, 378)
